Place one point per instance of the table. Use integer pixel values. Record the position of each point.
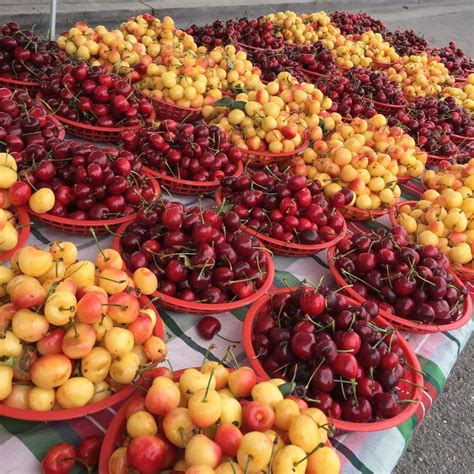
(23, 444)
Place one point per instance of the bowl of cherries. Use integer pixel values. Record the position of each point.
(25, 60)
(93, 104)
(412, 284)
(204, 262)
(343, 358)
(93, 187)
(288, 213)
(185, 158)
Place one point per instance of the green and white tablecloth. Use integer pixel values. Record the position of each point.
(23, 444)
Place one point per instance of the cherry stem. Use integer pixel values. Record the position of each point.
(314, 373)
(414, 384)
(96, 240)
(208, 351)
(228, 340)
(111, 279)
(204, 400)
(320, 445)
(402, 402)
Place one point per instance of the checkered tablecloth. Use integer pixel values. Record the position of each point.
(23, 444)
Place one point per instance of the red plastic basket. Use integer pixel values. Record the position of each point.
(168, 110)
(312, 74)
(403, 323)
(287, 249)
(14, 84)
(92, 133)
(379, 66)
(354, 214)
(186, 187)
(435, 160)
(23, 222)
(71, 226)
(387, 109)
(259, 159)
(460, 139)
(247, 47)
(193, 308)
(403, 179)
(59, 126)
(407, 390)
(72, 413)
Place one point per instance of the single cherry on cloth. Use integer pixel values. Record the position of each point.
(208, 327)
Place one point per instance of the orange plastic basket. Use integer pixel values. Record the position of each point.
(403, 323)
(168, 110)
(186, 187)
(379, 66)
(312, 74)
(92, 133)
(14, 84)
(23, 223)
(193, 308)
(72, 413)
(403, 179)
(352, 213)
(247, 47)
(287, 249)
(259, 159)
(104, 226)
(407, 390)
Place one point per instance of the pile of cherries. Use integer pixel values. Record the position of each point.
(376, 85)
(341, 361)
(455, 60)
(314, 58)
(24, 128)
(25, 57)
(216, 34)
(272, 63)
(91, 96)
(196, 152)
(406, 42)
(258, 33)
(356, 23)
(197, 255)
(346, 98)
(405, 279)
(283, 206)
(89, 183)
(431, 121)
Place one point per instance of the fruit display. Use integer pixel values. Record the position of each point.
(258, 33)
(88, 96)
(356, 23)
(346, 98)
(406, 43)
(456, 62)
(73, 335)
(277, 117)
(25, 57)
(81, 183)
(432, 122)
(341, 357)
(297, 30)
(25, 128)
(443, 215)
(314, 59)
(193, 81)
(362, 160)
(198, 153)
(218, 33)
(289, 209)
(410, 282)
(420, 75)
(140, 40)
(219, 421)
(271, 63)
(463, 93)
(377, 86)
(204, 263)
